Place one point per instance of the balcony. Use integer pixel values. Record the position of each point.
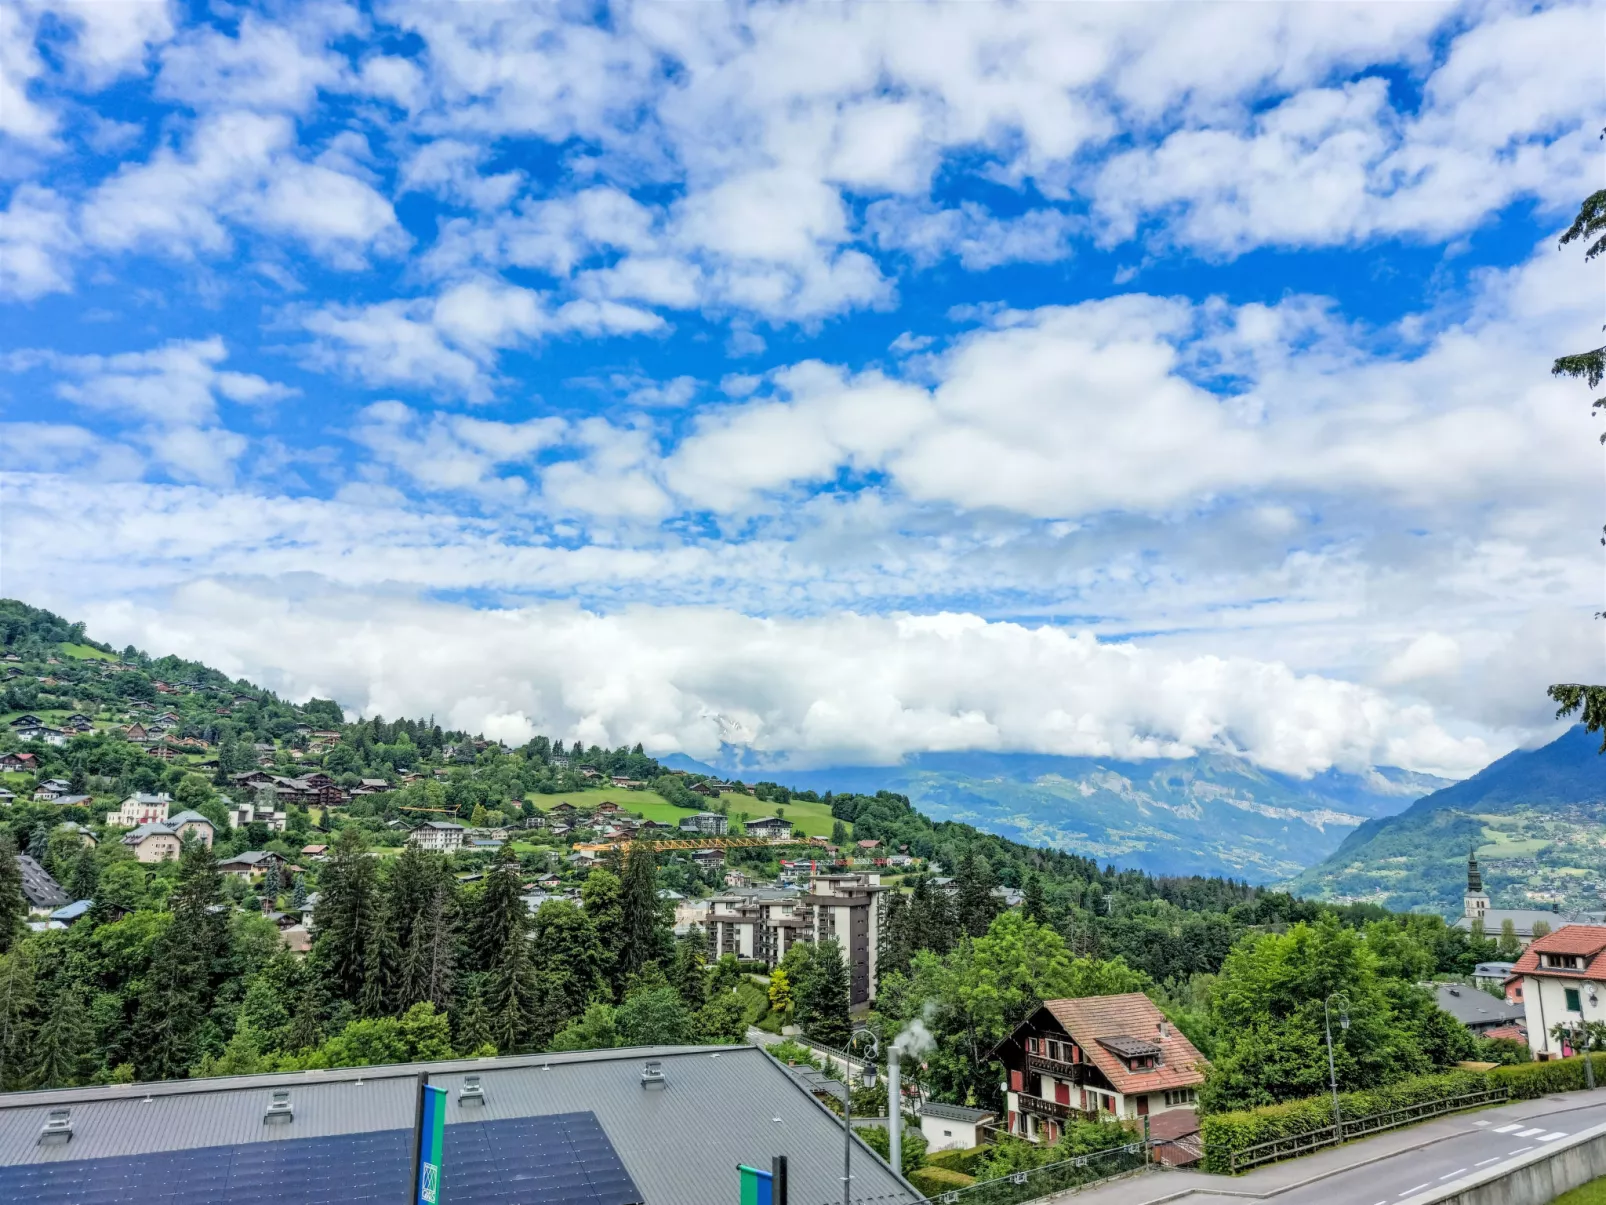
(1068, 1071)
(1045, 1108)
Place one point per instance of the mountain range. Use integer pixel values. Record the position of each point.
(1213, 813)
(1536, 817)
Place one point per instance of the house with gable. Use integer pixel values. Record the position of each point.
(1563, 976)
(1116, 1055)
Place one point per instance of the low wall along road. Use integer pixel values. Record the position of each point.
(1536, 1178)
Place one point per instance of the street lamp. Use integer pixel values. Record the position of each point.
(1332, 1075)
(847, 1106)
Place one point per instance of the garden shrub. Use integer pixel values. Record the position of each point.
(934, 1181)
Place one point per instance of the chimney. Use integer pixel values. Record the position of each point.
(1163, 1030)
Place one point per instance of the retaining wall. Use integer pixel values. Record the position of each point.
(1537, 1178)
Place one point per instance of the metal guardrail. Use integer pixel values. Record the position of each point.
(1032, 1183)
(1357, 1127)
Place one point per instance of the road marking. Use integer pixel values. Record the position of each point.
(1486, 1161)
(1553, 1136)
(1418, 1188)
(1530, 1133)
(1480, 1123)
(1453, 1174)
(1518, 1151)
(1516, 1125)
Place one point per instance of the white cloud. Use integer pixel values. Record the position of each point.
(239, 168)
(453, 451)
(615, 479)
(169, 395)
(266, 66)
(35, 240)
(845, 688)
(980, 240)
(450, 343)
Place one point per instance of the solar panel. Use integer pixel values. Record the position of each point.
(559, 1159)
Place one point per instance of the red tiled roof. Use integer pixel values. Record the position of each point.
(1587, 941)
(1515, 1032)
(1089, 1018)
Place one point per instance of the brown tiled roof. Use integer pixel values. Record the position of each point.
(1587, 941)
(1089, 1018)
(1515, 1032)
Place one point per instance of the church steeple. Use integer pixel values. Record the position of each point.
(1476, 903)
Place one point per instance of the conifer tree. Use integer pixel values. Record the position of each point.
(61, 1041)
(509, 990)
(427, 969)
(346, 902)
(828, 996)
(17, 994)
(13, 904)
(473, 1025)
(641, 911)
(690, 972)
(381, 965)
(177, 993)
(974, 882)
(85, 880)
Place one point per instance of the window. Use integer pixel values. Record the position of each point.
(1573, 1005)
(1562, 962)
(1178, 1096)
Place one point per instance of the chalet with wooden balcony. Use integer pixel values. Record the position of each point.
(1115, 1055)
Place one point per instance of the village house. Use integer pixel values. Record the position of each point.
(253, 863)
(953, 1127)
(19, 763)
(43, 733)
(769, 826)
(43, 893)
(51, 788)
(1563, 978)
(1101, 1054)
(158, 840)
(709, 824)
(440, 835)
(140, 809)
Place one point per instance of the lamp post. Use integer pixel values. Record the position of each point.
(847, 1106)
(1332, 1074)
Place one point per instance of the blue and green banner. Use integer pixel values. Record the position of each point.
(758, 1188)
(432, 1141)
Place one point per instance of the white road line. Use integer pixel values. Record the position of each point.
(1553, 1136)
(1516, 1125)
(1495, 1159)
(1518, 1151)
(1418, 1188)
(1530, 1133)
(1450, 1175)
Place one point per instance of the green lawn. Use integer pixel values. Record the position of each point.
(1593, 1193)
(84, 652)
(810, 819)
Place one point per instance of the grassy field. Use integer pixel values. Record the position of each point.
(1593, 1193)
(810, 819)
(84, 652)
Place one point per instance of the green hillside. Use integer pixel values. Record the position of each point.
(1536, 817)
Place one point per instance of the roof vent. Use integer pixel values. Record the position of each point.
(652, 1074)
(472, 1092)
(279, 1110)
(57, 1127)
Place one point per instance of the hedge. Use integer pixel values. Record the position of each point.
(965, 1160)
(934, 1181)
(1225, 1133)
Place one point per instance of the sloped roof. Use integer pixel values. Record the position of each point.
(42, 890)
(680, 1143)
(1474, 1006)
(937, 1108)
(1587, 941)
(1091, 1019)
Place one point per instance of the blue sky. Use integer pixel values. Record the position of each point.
(834, 381)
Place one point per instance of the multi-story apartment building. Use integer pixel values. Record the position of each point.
(763, 923)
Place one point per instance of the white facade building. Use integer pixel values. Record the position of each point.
(1563, 983)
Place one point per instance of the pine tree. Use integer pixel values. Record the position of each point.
(306, 1022)
(427, 969)
(347, 900)
(690, 972)
(271, 884)
(61, 1041)
(381, 965)
(178, 990)
(85, 876)
(17, 994)
(828, 997)
(13, 904)
(1035, 904)
(974, 882)
(502, 925)
(299, 898)
(473, 1025)
(642, 910)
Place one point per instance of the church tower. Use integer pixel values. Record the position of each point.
(1476, 902)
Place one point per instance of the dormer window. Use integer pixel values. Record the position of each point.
(1561, 962)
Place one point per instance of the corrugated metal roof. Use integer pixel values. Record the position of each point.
(680, 1142)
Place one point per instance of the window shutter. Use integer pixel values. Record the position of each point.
(1014, 1081)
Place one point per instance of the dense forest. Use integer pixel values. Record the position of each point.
(178, 970)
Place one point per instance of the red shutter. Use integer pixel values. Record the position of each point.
(1015, 1082)
(1143, 1106)
(1012, 1129)
(1062, 1093)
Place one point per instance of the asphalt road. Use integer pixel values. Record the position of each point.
(1381, 1170)
(1491, 1138)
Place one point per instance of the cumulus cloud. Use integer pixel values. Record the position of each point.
(36, 238)
(453, 452)
(846, 688)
